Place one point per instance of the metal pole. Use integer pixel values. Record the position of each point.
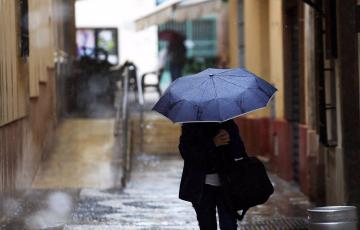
(141, 104)
(125, 128)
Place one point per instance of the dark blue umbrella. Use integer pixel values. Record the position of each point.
(214, 95)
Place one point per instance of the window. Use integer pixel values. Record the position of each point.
(199, 33)
(98, 43)
(326, 48)
(24, 28)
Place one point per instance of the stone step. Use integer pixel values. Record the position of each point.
(160, 135)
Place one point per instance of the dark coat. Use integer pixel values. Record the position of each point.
(198, 151)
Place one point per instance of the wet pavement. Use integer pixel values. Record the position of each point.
(83, 156)
(77, 187)
(148, 202)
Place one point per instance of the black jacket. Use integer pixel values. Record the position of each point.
(200, 154)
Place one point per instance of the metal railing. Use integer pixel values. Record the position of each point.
(123, 124)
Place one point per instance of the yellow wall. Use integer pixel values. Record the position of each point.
(222, 36)
(256, 36)
(12, 83)
(276, 53)
(233, 34)
(27, 126)
(263, 38)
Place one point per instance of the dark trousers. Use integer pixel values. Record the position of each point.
(211, 199)
(175, 71)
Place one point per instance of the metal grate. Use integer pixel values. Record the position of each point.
(276, 224)
(204, 29)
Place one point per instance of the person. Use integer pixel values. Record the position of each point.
(162, 57)
(177, 58)
(202, 146)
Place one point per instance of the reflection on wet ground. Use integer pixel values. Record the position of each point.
(83, 156)
(42, 209)
(77, 188)
(149, 202)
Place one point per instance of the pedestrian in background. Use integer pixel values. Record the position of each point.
(177, 58)
(203, 146)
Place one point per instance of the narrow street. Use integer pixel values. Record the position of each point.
(93, 92)
(150, 202)
(78, 187)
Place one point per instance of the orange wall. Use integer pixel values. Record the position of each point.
(263, 38)
(22, 142)
(233, 34)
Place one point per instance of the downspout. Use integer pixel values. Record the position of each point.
(315, 6)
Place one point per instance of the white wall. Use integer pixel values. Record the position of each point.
(137, 46)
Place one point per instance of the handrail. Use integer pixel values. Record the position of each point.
(125, 128)
(122, 117)
(141, 104)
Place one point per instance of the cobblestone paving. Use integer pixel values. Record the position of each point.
(150, 202)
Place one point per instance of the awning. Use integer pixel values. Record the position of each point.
(178, 10)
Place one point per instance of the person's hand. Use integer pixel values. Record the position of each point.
(222, 138)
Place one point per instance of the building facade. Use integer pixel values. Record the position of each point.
(309, 51)
(34, 54)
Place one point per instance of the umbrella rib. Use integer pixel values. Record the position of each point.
(202, 94)
(179, 101)
(240, 104)
(263, 91)
(257, 94)
(213, 83)
(257, 81)
(196, 87)
(201, 83)
(223, 72)
(232, 82)
(207, 102)
(249, 72)
(233, 75)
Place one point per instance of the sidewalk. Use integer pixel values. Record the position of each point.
(77, 188)
(150, 202)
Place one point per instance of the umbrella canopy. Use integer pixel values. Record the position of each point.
(214, 95)
(171, 36)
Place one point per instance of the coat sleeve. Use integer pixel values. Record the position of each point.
(193, 145)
